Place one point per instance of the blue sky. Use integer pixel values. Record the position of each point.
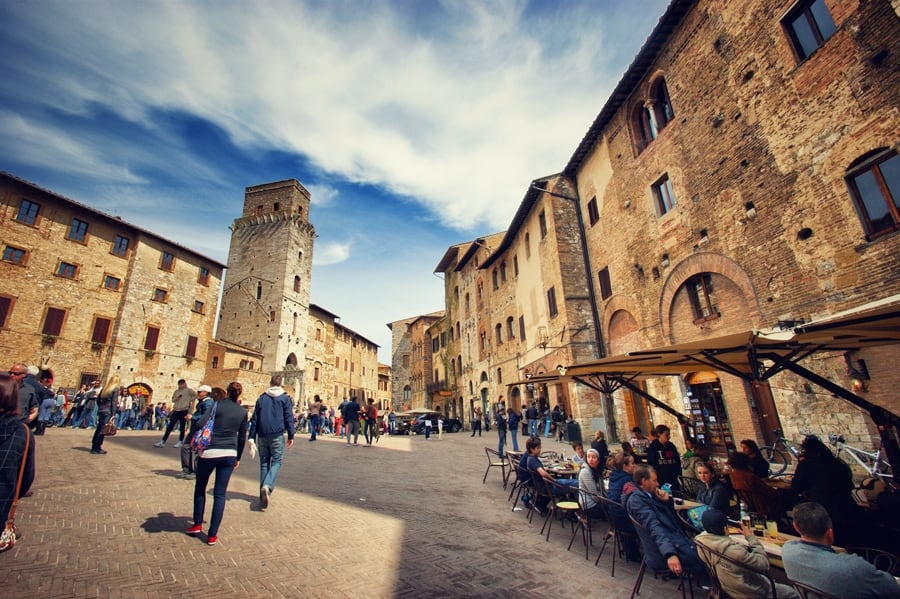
(415, 124)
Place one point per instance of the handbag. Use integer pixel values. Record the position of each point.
(109, 429)
(203, 437)
(10, 534)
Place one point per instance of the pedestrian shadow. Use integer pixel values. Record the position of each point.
(253, 500)
(81, 448)
(167, 522)
(166, 472)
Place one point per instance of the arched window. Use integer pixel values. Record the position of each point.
(499, 333)
(259, 291)
(296, 283)
(651, 115)
(510, 328)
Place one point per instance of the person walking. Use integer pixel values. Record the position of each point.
(351, 417)
(371, 419)
(14, 438)
(223, 456)
(315, 406)
(500, 420)
(182, 399)
(272, 417)
(476, 422)
(512, 421)
(106, 402)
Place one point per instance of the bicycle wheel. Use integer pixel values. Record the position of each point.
(776, 458)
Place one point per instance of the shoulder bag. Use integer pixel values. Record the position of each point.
(203, 437)
(109, 429)
(9, 534)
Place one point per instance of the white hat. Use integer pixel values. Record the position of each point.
(206, 388)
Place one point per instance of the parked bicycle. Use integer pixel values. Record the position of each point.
(871, 462)
(776, 454)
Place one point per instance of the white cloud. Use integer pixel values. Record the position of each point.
(331, 253)
(322, 195)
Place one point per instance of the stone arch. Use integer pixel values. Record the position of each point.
(700, 263)
(624, 332)
(291, 361)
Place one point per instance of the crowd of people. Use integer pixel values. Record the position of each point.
(642, 481)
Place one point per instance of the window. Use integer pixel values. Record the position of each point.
(78, 230)
(467, 304)
(152, 338)
(515, 266)
(190, 350)
(203, 277)
(120, 246)
(160, 295)
(527, 246)
(53, 321)
(703, 303)
(167, 262)
(337, 363)
(605, 285)
(14, 255)
(499, 376)
(483, 338)
(198, 306)
(66, 270)
(296, 283)
(111, 282)
(28, 212)
(663, 195)
(215, 362)
(874, 183)
(510, 328)
(521, 328)
(808, 25)
(495, 278)
(652, 116)
(503, 272)
(593, 213)
(316, 373)
(6, 304)
(100, 332)
(542, 222)
(551, 302)
(499, 333)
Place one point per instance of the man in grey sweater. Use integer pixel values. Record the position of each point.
(812, 562)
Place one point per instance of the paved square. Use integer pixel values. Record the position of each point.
(406, 518)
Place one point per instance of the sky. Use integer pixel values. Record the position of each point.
(415, 124)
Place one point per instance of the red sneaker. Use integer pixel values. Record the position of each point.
(194, 529)
(212, 540)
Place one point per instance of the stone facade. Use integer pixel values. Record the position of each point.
(411, 361)
(89, 295)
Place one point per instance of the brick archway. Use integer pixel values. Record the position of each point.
(694, 265)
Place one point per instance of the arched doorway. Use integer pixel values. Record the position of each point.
(708, 416)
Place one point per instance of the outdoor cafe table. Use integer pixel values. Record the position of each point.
(686, 504)
(560, 470)
(772, 546)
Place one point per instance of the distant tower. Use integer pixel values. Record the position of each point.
(265, 302)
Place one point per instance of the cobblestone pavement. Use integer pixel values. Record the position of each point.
(405, 518)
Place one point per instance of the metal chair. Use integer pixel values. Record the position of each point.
(522, 481)
(808, 592)
(881, 559)
(560, 504)
(617, 534)
(709, 560)
(689, 487)
(512, 459)
(713, 559)
(495, 460)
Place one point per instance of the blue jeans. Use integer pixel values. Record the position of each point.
(271, 450)
(514, 433)
(313, 427)
(532, 428)
(223, 468)
(370, 431)
(547, 428)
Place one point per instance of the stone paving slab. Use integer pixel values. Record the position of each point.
(406, 518)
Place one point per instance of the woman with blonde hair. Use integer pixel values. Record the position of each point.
(106, 405)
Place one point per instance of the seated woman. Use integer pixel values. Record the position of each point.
(760, 497)
(590, 479)
(758, 464)
(713, 490)
(627, 449)
(621, 484)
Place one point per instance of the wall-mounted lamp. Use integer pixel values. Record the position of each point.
(561, 369)
(859, 373)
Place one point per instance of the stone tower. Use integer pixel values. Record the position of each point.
(265, 301)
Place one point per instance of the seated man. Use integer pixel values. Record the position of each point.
(812, 561)
(739, 583)
(666, 546)
(536, 467)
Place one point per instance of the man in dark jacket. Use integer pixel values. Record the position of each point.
(29, 395)
(272, 416)
(666, 546)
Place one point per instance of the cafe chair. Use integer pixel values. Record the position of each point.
(808, 592)
(614, 533)
(689, 529)
(512, 460)
(881, 559)
(540, 494)
(495, 460)
(521, 483)
(713, 560)
(643, 533)
(709, 559)
(689, 486)
(561, 505)
(549, 456)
